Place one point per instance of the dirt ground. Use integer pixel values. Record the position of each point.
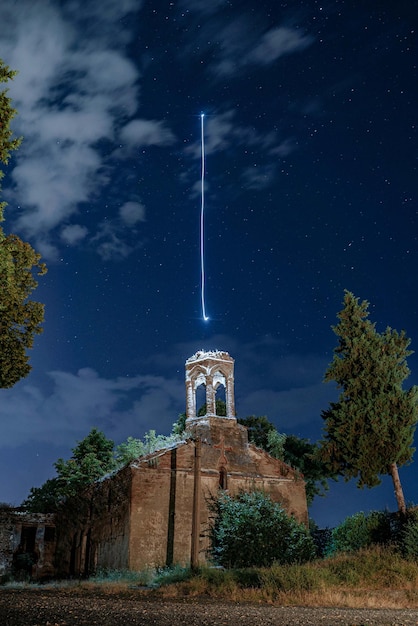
(52, 607)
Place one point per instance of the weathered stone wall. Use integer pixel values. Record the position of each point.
(162, 492)
(110, 529)
(93, 528)
(27, 544)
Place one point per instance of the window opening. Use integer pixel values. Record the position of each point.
(223, 479)
(28, 537)
(49, 534)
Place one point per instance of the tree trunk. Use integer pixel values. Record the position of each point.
(400, 499)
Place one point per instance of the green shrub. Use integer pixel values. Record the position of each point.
(360, 531)
(249, 530)
(409, 540)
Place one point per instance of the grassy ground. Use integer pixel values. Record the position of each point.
(374, 578)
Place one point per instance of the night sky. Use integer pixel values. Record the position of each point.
(311, 188)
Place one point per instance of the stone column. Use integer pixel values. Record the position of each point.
(230, 401)
(210, 396)
(190, 400)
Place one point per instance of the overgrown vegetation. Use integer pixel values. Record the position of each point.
(133, 448)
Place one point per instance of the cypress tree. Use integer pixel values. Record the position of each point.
(369, 432)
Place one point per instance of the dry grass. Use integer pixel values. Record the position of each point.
(373, 578)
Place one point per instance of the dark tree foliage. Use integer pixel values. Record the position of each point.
(259, 428)
(303, 455)
(20, 317)
(250, 530)
(47, 498)
(92, 458)
(369, 431)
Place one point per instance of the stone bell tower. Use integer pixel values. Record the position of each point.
(211, 369)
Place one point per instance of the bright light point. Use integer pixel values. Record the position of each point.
(202, 115)
(205, 319)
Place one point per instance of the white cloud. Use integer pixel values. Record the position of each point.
(53, 182)
(78, 402)
(73, 234)
(240, 43)
(258, 177)
(109, 243)
(75, 87)
(284, 148)
(276, 43)
(132, 212)
(146, 133)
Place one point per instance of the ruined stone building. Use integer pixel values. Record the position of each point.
(154, 511)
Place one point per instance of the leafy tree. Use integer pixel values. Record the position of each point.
(92, 458)
(259, 428)
(45, 499)
(250, 530)
(20, 318)
(369, 431)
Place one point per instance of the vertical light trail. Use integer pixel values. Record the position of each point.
(202, 219)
